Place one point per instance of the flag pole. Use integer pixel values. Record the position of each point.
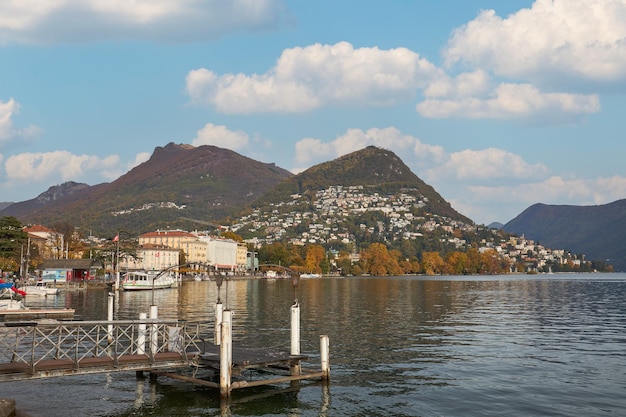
(117, 261)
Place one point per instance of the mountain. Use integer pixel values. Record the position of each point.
(375, 169)
(53, 194)
(177, 183)
(596, 231)
(495, 225)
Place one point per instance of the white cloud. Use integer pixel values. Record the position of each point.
(554, 40)
(314, 76)
(52, 21)
(312, 150)
(221, 136)
(510, 101)
(58, 165)
(7, 131)
(487, 164)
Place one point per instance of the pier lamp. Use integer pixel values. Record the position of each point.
(295, 280)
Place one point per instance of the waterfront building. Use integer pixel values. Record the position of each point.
(194, 249)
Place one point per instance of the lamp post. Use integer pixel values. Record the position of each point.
(295, 280)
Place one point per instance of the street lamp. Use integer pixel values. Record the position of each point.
(295, 280)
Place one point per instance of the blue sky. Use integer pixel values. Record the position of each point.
(497, 105)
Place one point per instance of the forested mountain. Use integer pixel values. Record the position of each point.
(177, 183)
(596, 231)
(377, 170)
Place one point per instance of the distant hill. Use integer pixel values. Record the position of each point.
(376, 169)
(596, 231)
(4, 205)
(54, 194)
(177, 183)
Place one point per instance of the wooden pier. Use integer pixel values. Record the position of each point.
(51, 348)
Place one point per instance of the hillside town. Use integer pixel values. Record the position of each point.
(324, 222)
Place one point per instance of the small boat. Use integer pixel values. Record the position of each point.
(310, 275)
(39, 289)
(11, 305)
(134, 281)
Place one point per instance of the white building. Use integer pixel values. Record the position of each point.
(151, 258)
(220, 253)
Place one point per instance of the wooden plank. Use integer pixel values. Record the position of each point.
(248, 384)
(249, 357)
(187, 379)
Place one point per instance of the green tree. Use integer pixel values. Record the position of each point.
(12, 239)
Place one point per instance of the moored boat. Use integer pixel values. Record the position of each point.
(310, 275)
(39, 289)
(10, 304)
(141, 280)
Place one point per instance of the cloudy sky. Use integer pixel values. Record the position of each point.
(497, 105)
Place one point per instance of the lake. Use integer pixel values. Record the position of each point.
(514, 345)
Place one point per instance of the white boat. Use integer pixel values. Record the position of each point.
(134, 281)
(310, 275)
(39, 289)
(11, 305)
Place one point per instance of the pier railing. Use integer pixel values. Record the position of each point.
(41, 349)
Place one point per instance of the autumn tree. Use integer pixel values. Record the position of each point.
(456, 263)
(410, 265)
(315, 254)
(232, 236)
(377, 260)
(432, 263)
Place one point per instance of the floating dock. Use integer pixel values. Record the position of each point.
(32, 314)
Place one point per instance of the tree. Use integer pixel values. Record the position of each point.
(275, 253)
(456, 263)
(233, 236)
(315, 254)
(12, 237)
(377, 260)
(432, 263)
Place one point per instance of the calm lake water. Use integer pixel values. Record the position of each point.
(402, 346)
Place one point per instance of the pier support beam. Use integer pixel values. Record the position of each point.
(226, 354)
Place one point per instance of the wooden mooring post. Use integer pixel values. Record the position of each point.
(226, 354)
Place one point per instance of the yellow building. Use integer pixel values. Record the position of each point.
(194, 249)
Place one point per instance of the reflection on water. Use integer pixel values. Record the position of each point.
(405, 346)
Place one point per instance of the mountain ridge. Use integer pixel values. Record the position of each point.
(205, 180)
(597, 231)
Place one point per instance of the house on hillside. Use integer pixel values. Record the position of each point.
(69, 270)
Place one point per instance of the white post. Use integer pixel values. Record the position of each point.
(295, 338)
(110, 318)
(295, 329)
(154, 333)
(324, 355)
(141, 335)
(226, 354)
(219, 309)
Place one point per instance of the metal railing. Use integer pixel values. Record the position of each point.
(72, 345)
